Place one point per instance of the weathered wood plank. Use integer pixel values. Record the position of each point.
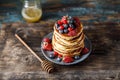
(16, 62)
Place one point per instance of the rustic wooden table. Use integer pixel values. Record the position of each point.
(101, 20)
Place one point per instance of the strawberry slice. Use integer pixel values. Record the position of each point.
(72, 33)
(47, 47)
(46, 40)
(85, 50)
(68, 59)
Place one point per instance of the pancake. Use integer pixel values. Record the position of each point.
(68, 45)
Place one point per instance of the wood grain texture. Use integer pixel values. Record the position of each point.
(17, 63)
(95, 10)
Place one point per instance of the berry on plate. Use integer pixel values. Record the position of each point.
(51, 56)
(59, 59)
(85, 50)
(46, 40)
(47, 47)
(68, 59)
(77, 57)
(55, 53)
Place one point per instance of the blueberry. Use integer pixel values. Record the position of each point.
(70, 18)
(77, 57)
(70, 21)
(57, 26)
(59, 59)
(61, 31)
(51, 56)
(73, 26)
(65, 26)
(74, 21)
(65, 30)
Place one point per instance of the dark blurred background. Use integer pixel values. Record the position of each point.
(96, 10)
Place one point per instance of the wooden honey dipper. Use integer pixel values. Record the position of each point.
(47, 66)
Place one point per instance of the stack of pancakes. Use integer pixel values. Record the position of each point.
(67, 45)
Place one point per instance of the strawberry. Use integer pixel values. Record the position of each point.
(68, 59)
(55, 53)
(48, 47)
(85, 50)
(72, 33)
(46, 40)
(59, 22)
(77, 20)
(70, 29)
(61, 27)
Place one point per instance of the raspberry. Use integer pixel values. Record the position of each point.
(55, 53)
(46, 40)
(85, 50)
(72, 33)
(70, 29)
(61, 27)
(48, 47)
(77, 24)
(68, 59)
(77, 20)
(64, 21)
(59, 22)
